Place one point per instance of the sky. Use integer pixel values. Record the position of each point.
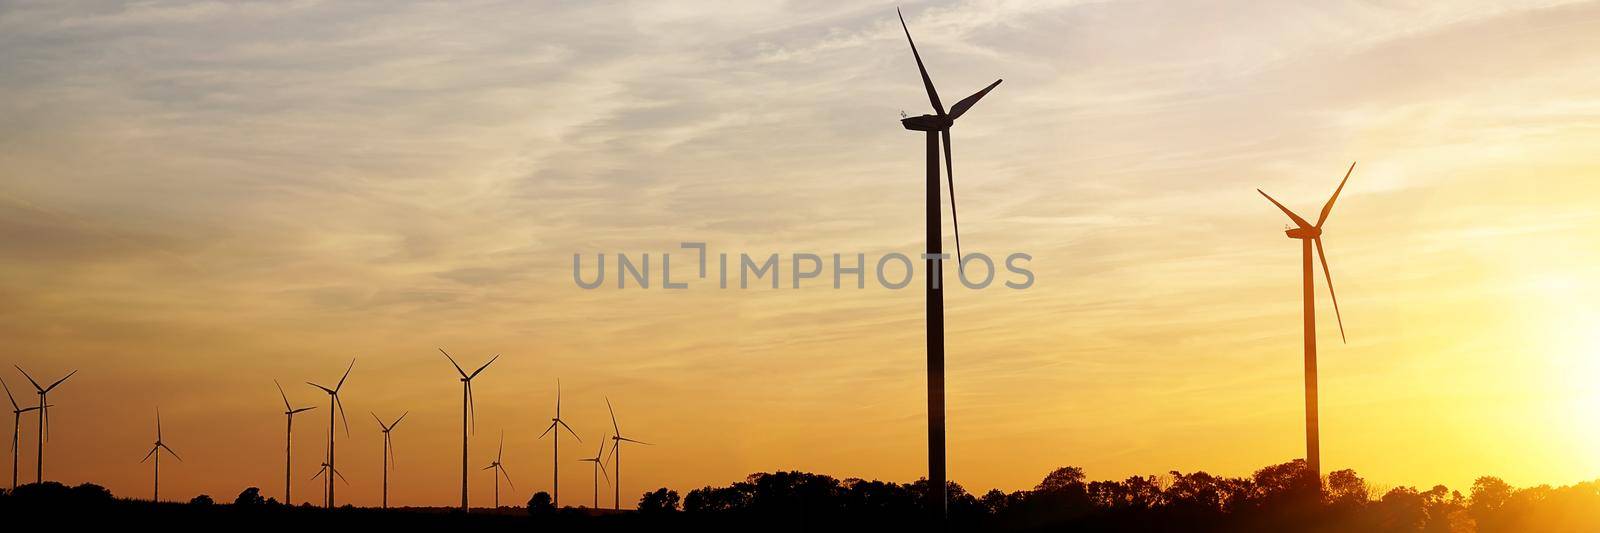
(197, 199)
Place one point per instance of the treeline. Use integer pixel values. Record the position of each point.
(1276, 498)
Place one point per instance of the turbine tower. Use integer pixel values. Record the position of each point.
(555, 459)
(44, 418)
(388, 451)
(500, 470)
(1310, 235)
(288, 442)
(469, 416)
(334, 404)
(599, 467)
(16, 431)
(616, 450)
(937, 130)
(155, 452)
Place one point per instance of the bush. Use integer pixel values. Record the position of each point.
(540, 503)
(203, 500)
(659, 501)
(250, 497)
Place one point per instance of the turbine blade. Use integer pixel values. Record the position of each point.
(612, 450)
(286, 405)
(569, 429)
(152, 452)
(30, 378)
(453, 362)
(1328, 208)
(617, 430)
(491, 465)
(336, 472)
(502, 450)
(604, 472)
(397, 420)
(1329, 276)
(169, 450)
(324, 389)
(339, 406)
(58, 382)
(13, 399)
(158, 424)
(485, 365)
(966, 103)
(302, 410)
(547, 430)
(319, 472)
(346, 374)
(1296, 218)
(503, 472)
(635, 441)
(558, 398)
(602, 448)
(927, 83)
(950, 175)
(379, 421)
(472, 410)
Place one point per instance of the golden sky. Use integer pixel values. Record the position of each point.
(196, 199)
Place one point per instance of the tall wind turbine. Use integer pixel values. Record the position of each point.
(16, 431)
(500, 470)
(334, 404)
(469, 419)
(616, 450)
(388, 451)
(937, 129)
(1311, 235)
(555, 460)
(155, 451)
(288, 442)
(44, 418)
(599, 467)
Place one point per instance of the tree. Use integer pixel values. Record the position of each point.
(249, 497)
(1347, 489)
(202, 500)
(659, 501)
(1066, 478)
(541, 503)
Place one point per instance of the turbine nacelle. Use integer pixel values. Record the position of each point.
(1304, 233)
(928, 123)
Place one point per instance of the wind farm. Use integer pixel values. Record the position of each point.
(703, 211)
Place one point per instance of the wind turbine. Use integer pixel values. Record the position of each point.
(288, 443)
(334, 404)
(599, 466)
(555, 460)
(469, 417)
(388, 452)
(155, 452)
(44, 417)
(16, 431)
(1311, 235)
(616, 450)
(327, 494)
(937, 127)
(500, 470)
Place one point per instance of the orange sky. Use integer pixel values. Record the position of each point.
(196, 199)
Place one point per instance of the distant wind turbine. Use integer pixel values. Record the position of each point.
(937, 126)
(388, 451)
(334, 404)
(616, 451)
(469, 419)
(1310, 235)
(16, 431)
(288, 443)
(599, 467)
(555, 499)
(44, 418)
(155, 452)
(325, 468)
(500, 470)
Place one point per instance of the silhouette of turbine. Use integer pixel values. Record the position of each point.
(616, 450)
(937, 127)
(500, 470)
(325, 468)
(555, 459)
(44, 418)
(16, 431)
(154, 452)
(288, 443)
(1310, 236)
(334, 404)
(388, 451)
(599, 467)
(469, 416)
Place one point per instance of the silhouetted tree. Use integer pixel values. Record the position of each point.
(659, 501)
(202, 500)
(249, 497)
(541, 503)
